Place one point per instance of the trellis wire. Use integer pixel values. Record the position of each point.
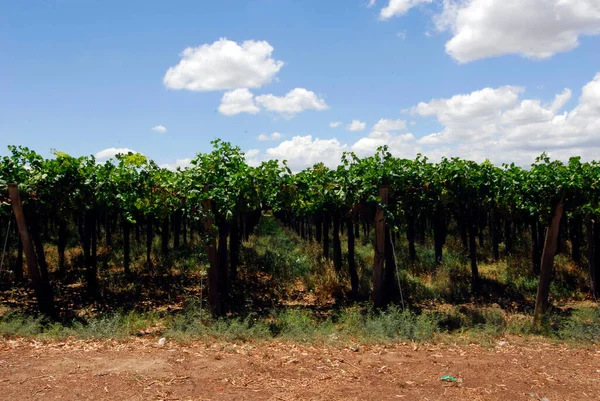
(398, 276)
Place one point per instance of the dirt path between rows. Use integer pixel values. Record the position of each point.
(143, 370)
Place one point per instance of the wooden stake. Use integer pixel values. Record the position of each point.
(214, 293)
(378, 298)
(42, 289)
(541, 301)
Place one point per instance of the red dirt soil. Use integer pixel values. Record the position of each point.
(142, 370)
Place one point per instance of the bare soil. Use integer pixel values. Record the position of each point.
(140, 369)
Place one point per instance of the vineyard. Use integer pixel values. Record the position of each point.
(126, 234)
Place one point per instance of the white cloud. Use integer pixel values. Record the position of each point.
(356, 126)
(295, 101)
(252, 153)
(497, 124)
(402, 35)
(112, 152)
(224, 65)
(371, 3)
(179, 163)
(275, 136)
(532, 28)
(252, 157)
(303, 151)
(413, 123)
(399, 7)
(468, 115)
(384, 132)
(561, 100)
(335, 124)
(389, 125)
(400, 145)
(159, 128)
(238, 101)
(527, 112)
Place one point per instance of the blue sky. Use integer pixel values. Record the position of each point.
(85, 76)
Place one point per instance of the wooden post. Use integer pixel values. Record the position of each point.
(380, 245)
(351, 259)
(541, 301)
(149, 238)
(164, 236)
(325, 234)
(42, 289)
(223, 264)
(410, 236)
(337, 245)
(210, 245)
(593, 245)
(589, 225)
(439, 233)
(472, 230)
(126, 246)
(318, 227)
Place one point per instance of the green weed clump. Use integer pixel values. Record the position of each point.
(272, 251)
(117, 325)
(582, 325)
(357, 324)
(395, 324)
(20, 325)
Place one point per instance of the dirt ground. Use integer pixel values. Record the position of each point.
(144, 370)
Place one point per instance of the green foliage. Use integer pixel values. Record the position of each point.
(582, 325)
(132, 188)
(117, 325)
(273, 252)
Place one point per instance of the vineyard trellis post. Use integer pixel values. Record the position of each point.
(593, 265)
(380, 245)
(541, 301)
(210, 246)
(43, 292)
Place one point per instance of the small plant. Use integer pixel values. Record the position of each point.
(582, 325)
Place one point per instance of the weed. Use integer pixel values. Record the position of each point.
(582, 325)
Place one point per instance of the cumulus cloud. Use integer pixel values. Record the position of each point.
(238, 101)
(224, 65)
(252, 153)
(356, 126)
(275, 136)
(159, 128)
(400, 145)
(179, 163)
(252, 157)
(561, 100)
(295, 101)
(389, 125)
(468, 115)
(303, 151)
(335, 124)
(532, 28)
(498, 124)
(399, 7)
(112, 152)
(384, 132)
